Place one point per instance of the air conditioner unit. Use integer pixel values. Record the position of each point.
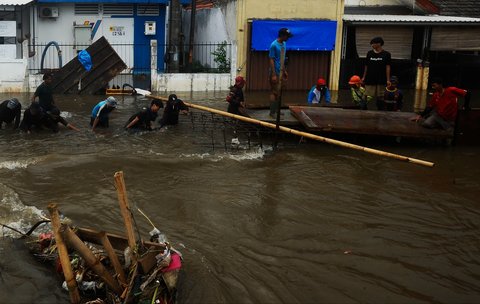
(48, 12)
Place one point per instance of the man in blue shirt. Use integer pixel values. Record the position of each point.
(277, 52)
(319, 92)
(101, 112)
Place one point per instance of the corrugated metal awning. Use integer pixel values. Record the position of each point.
(111, 1)
(409, 19)
(15, 2)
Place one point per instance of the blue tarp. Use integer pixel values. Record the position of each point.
(85, 60)
(308, 35)
(113, 1)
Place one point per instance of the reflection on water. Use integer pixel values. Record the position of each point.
(309, 223)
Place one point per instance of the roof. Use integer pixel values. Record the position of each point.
(468, 8)
(15, 2)
(107, 1)
(409, 19)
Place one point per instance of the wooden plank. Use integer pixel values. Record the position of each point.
(106, 65)
(119, 242)
(326, 119)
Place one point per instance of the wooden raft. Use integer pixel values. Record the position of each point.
(106, 65)
(335, 120)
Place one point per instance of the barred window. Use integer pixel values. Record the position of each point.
(118, 9)
(148, 10)
(86, 9)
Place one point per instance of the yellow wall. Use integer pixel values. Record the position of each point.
(289, 9)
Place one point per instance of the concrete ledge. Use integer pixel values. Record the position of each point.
(12, 77)
(191, 82)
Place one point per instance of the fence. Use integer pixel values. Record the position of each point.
(207, 57)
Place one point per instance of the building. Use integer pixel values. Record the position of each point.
(38, 36)
(413, 30)
(14, 39)
(317, 56)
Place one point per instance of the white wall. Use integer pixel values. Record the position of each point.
(13, 81)
(165, 83)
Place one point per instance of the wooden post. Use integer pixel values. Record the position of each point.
(280, 93)
(73, 240)
(113, 257)
(124, 209)
(63, 255)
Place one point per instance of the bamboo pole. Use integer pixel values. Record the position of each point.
(63, 255)
(124, 209)
(309, 135)
(280, 93)
(91, 260)
(113, 257)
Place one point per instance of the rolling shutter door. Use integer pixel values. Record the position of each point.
(455, 38)
(398, 40)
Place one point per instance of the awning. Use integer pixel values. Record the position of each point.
(15, 2)
(409, 19)
(109, 1)
(308, 35)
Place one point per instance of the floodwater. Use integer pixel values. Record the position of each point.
(308, 223)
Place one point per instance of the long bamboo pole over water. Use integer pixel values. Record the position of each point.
(308, 135)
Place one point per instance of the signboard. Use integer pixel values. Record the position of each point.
(8, 51)
(8, 29)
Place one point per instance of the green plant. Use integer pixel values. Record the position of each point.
(221, 59)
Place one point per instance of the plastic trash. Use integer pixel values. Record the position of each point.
(157, 235)
(85, 60)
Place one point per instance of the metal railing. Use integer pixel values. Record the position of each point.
(207, 57)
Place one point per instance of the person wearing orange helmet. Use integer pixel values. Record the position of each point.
(359, 95)
(319, 92)
(235, 98)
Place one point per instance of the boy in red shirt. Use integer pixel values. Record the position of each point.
(441, 111)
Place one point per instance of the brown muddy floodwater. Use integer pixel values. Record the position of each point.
(308, 223)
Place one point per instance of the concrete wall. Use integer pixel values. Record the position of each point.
(287, 9)
(180, 82)
(13, 81)
(14, 71)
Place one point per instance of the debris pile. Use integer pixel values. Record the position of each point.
(98, 267)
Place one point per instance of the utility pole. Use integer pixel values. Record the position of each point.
(192, 35)
(174, 37)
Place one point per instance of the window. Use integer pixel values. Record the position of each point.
(86, 9)
(118, 9)
(148, 10)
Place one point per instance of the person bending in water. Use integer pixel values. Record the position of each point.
(173, 108)
(142, 121)
(101, 112)
(10, 110)
(53, 118)
(33, 117)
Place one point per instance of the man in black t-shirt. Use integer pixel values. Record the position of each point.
(376, 75)
(44, 93)
(173, 108)
(142, 120)
(10, 110)
(33, 117)
(53, 118)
